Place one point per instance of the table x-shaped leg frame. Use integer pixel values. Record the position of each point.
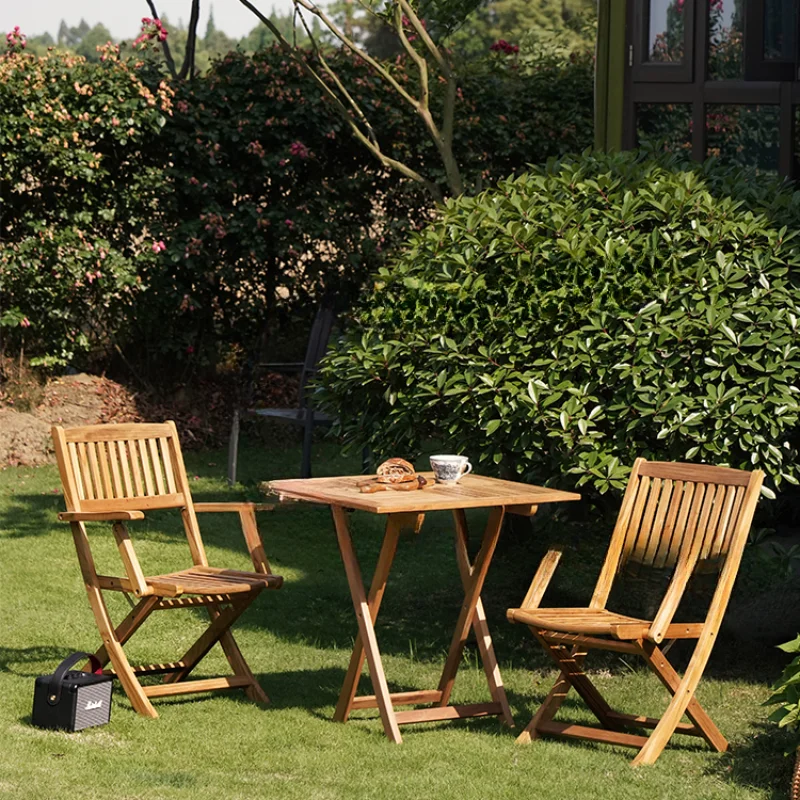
(471, 616)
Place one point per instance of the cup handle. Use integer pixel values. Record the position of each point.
(467, 468)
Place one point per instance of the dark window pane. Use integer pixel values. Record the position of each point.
(725, 40)
(664, 126)
(665, 30)
(779, 30)
(745, 136)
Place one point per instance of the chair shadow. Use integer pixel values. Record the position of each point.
(16, 661)
(763, 761)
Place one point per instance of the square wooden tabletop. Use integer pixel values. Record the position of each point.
(472, 491)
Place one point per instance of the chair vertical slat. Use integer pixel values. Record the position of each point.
(710, 528)
(695, 512)
(677, 540)
(135, 468)
(734, 519)
(105, 469)
(635, 520)
(658, 523)
(146, 468)
(640, 546)
(155, 461)
(122, 452)
(614, 555)
(664, 546)
(721, 527)
(85, 472)
(169, 473)
(99, 489)
(72, 450)
(116, 478)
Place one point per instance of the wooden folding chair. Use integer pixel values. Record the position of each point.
(685, 517)
(115, 473)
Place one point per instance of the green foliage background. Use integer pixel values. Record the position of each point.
(262, 199)
(581, 315)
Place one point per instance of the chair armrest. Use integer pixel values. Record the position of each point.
(541, 580)
(247, 517)
(100, 516)
(202, 508)
(281, 366)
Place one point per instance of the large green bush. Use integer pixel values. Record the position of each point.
(578, 316)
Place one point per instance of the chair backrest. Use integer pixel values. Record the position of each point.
(685, 517)
(125, 468)
(317, 345)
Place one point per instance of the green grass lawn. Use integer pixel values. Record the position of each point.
(298, 642)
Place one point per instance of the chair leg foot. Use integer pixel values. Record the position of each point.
(257, 694)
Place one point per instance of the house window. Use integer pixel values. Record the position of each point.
(715, 77)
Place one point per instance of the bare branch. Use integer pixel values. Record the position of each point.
(350, 45)
(422, 64)
(372, 146)
(191, 43)
(426, 39)
(335, 78)
(164, 45)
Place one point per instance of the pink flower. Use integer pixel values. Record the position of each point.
(189, 350)
(298, 149)
(502, 46)
(289, 224)
(159, 246)
(25, 322)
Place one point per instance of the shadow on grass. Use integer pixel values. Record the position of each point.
(763, 761)
(20, 661)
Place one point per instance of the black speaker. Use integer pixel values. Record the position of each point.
(72, 700)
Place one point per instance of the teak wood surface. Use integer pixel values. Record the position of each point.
(407, 510)
(689, 518)
(113, 473)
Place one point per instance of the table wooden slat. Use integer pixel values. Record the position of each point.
(472, 491)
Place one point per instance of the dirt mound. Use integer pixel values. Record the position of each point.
(70, 400)
(24, 439)
(201, 409)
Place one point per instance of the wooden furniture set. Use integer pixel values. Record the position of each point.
(683, 517)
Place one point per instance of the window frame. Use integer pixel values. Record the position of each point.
(667, 71)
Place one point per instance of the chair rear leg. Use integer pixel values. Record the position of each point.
(237, 661)
(547, 710)
(218, 628)
(683, 697)
(571, 664)
(139, 613)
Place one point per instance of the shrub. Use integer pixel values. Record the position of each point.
(583, 314)
(178, 221)
(78, 182)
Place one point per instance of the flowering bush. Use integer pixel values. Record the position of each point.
(177, 222)
(78, 182)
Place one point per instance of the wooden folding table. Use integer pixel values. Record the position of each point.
(403, 510)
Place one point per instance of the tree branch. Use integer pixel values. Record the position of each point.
(164, 45)
(187, 68)
(340, 107)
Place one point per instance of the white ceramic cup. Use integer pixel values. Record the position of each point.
(450, 469)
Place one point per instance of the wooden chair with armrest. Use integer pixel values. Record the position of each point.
(685, 517)
(116, 473)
